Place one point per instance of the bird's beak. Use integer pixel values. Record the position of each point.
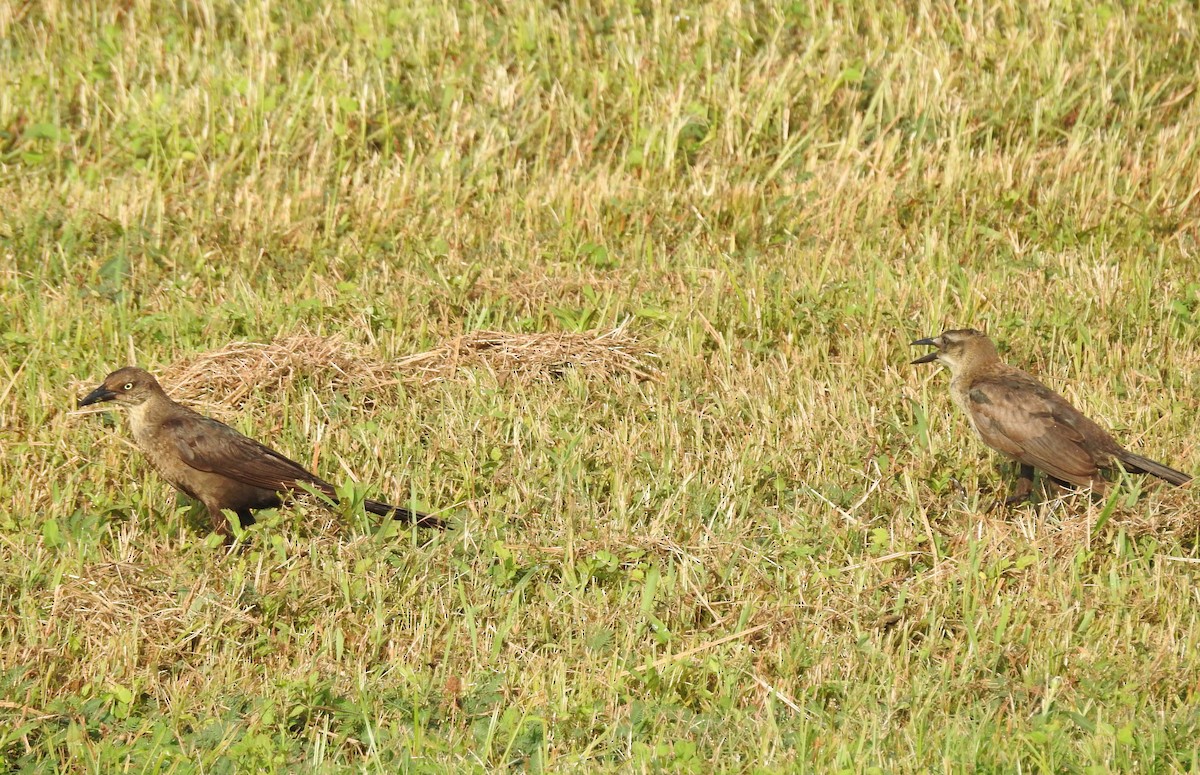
(96, 396)
(928, 342)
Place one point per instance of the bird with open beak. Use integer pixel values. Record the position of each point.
(1015, 414)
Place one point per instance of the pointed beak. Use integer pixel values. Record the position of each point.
(97, 396)
(927, 342)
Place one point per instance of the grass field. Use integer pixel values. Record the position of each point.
(773, 555)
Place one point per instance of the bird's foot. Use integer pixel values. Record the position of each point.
(1020, 495)
(1021, 492)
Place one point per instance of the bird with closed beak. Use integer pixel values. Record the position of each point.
(1022, 418)
(211, 462)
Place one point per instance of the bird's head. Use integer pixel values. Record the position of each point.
(129, 386)
(958, 349)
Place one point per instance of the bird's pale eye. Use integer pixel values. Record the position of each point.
(129, 386)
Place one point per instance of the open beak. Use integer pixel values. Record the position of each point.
(928, 342)
(96, 396)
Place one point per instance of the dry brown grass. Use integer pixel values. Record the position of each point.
(228, 375)
(593, 354)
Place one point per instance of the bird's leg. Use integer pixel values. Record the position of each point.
(1021, 492)
(221, 523)
(216, 518)
(1024, 486)
(1055, 488)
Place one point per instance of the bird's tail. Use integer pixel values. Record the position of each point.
(1145, 465)
(417, 518)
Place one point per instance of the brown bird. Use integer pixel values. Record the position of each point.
(211, 462)
(1017, 415)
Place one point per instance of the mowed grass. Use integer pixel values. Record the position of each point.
(775, 556)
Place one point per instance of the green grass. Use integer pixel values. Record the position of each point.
(776, 557)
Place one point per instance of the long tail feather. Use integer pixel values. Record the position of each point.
(1145, 465)
(417, 518)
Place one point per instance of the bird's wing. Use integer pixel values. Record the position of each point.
(208, 445)
(1021, 417)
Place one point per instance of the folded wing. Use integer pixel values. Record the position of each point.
(208, 445)
(1019, 416)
